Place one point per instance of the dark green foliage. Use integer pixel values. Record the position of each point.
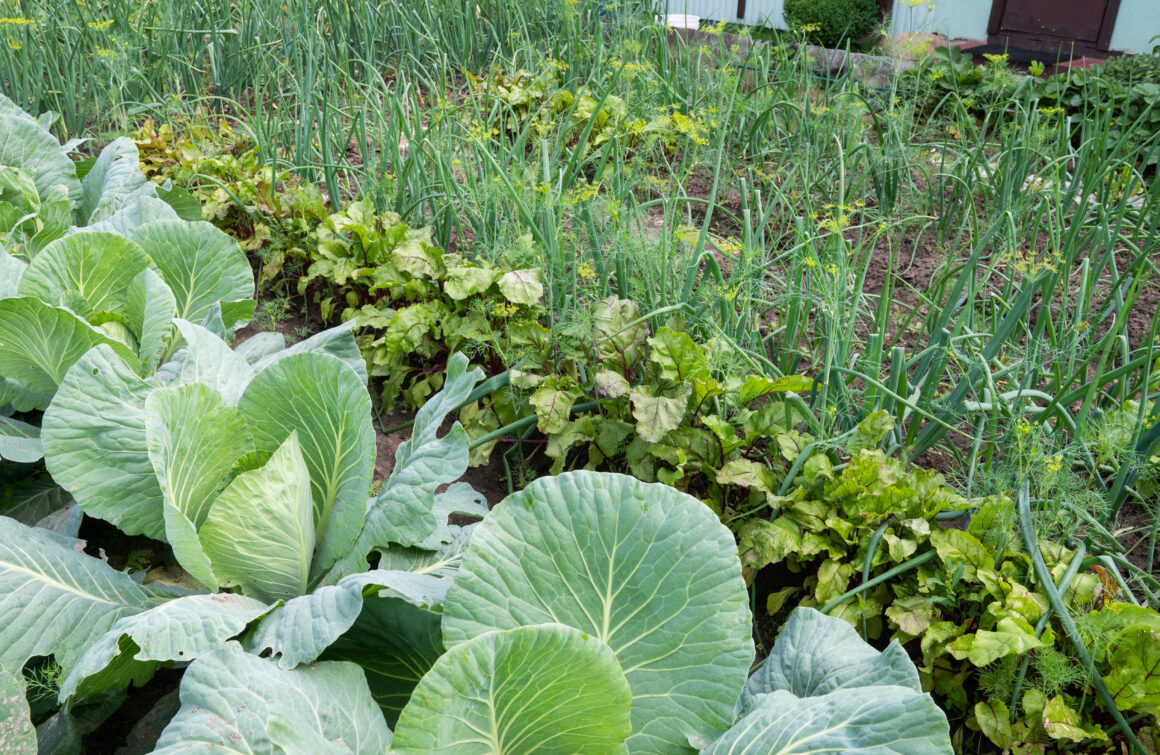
(830, 22)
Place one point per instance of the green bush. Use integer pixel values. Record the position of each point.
(830, 22)
(1132, 69)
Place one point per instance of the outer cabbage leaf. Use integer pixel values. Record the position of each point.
(201, 264)
(234, 701)
(87, 272)
(40, 342)
(299, 631)
(546, 687)
(879, 720)
(395, 642)
(326, 403)
(646, 569)
(95, 444)
(114, 181)
(19, 441)
(259, 533)
(24, 144)
(17, 734)
(55, 599)
(180, 630)
(337, 342)
(816, 654)
(403, 511)
(11, 271)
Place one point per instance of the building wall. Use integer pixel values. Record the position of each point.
(955, 19)
(1136, 23)
(757, 12)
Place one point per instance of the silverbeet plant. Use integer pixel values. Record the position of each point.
(590, 612)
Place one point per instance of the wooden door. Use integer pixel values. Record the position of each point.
(1054, 25)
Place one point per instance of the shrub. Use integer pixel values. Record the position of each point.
(830, 22)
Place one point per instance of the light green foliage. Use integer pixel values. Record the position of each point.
(572, 549)
(541, 687)
(251, 702)
(175, 461)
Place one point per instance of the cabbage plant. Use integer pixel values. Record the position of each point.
(588, 613)
(91, 254)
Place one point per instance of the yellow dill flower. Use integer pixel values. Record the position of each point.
(17, 21)
(811, 262)
(100, 25)
(585, 271)
(996, 58)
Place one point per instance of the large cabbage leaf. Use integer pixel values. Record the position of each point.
(649, 571)
(54, 598)
(17, 734)
(180, 630)
(40, 342)
(542, 688)
(114, 181)
(96, 447)
(89, 272)
(234, 701)
(201, 264)
(301, 629)
(823, 689)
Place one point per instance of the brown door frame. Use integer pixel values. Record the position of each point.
(1103, 38)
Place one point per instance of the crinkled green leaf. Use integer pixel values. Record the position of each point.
(95, 444)
(259, 533)
(1012, 636)
(179, 630)
(54, 598)
(522, 286)
(462, 282)
(646, 569)
(327, 404)
(234, 701)
(656, 415)
(553, 406)
(1134, 678)
(541, 688)
(678, 357)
